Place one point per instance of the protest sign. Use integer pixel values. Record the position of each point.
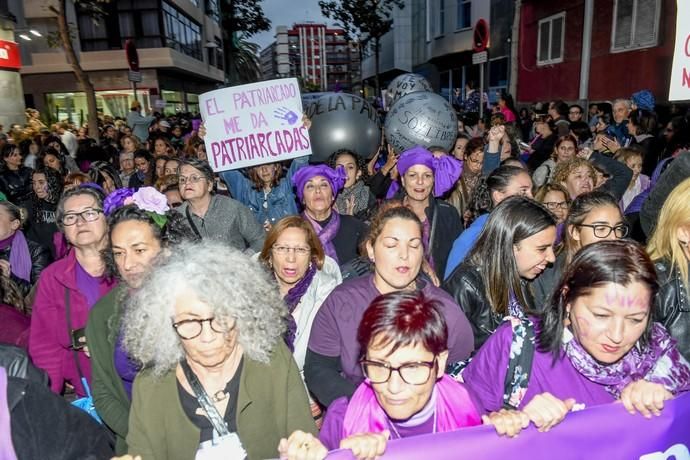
(680, 73)
(597, 433)
(254, 124)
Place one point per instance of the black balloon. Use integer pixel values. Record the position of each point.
(425, 119)
(343, 121)
(405, 84)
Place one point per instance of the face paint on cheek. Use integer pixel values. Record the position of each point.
(583, 326)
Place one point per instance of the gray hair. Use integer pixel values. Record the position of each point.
(626, 102)
(232, 284)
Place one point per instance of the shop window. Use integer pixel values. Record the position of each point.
(635, 24)
(551, 38)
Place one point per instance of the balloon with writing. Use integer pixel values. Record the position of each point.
(405, 84)
(343, 121)
(424, 119)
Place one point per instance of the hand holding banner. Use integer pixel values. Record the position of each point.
(254, 124)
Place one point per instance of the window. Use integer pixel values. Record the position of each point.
(213, 9)
(440, 25)
(635, 24)
(181, 33)
(463, 19)
(123, 20)
(550, 41)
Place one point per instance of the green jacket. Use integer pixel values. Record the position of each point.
(272, 403)
(108, 391)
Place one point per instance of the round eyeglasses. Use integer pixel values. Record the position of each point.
(189, 329)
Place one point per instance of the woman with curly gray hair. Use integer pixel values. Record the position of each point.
(207, 327)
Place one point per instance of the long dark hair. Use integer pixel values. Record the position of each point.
(620, 262)
(499, 179)
(53, 181)
(514, 219)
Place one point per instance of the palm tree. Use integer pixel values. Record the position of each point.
(243, 63)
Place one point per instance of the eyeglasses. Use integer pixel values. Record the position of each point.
(474, 160)
(191, 328)
(415, 373)
(575, 112)
(553, 205)
(298, 250)
(192, 179)
(88, 215)
(603, 231)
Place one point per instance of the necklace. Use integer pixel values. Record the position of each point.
(219, 396)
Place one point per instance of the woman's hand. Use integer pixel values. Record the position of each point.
(645, 397)
(306, 121)
(202, 131)
(547, 411)
(496, 133)
(391, 161)
(366, 446)
(301, 446)
(611, 144)
(507, 422)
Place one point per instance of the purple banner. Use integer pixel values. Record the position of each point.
(602, 432)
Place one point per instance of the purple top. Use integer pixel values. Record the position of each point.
(126, 368)
(484, 376)
(88, 285)
(332, 429)
(334, 331)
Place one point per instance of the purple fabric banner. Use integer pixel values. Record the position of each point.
(602, 432)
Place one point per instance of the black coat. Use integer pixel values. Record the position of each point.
(40, 259)
(672, 306)
(446, 226)
(16, 185)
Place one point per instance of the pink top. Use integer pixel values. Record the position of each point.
(508, 114)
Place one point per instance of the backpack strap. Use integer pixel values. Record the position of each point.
(520, 364)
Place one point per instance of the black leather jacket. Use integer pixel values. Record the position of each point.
(16, 184)
(672, 307)
(40, 258)
(467, 288)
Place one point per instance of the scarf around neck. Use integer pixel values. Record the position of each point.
(327, 233)
(292, 299)
(454, 409)
(659, 363)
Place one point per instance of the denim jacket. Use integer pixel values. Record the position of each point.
(279, 202)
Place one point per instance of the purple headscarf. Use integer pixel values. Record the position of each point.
(446, 169)
(336, 177)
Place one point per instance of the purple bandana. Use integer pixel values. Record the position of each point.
(336, 177)
(660, 363)
(446, 169)
(327, 233)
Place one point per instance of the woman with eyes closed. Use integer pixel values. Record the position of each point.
(317, 187)
(592, 217)
(512, 251)
(68, 288)
(595, 343)
(394, 246)
(139, 232)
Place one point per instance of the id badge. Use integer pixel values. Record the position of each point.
(228, 447)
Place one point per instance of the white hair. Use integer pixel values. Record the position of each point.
(228, 281)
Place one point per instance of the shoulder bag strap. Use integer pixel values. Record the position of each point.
(432, 230)
(68, 316)
(191, 223)
(204, 401)
(520, 364)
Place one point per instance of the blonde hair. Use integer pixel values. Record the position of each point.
(664, 244)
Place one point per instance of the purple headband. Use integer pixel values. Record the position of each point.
(335, 177)
(446, 169)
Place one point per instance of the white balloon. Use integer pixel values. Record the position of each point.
(405, 84)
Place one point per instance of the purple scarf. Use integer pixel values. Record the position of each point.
(6, 449)
(454, 409)
(292, 299)
(20, 257)
(327, 233)
(660, 363)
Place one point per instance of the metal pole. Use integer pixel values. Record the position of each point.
(134, 89)
(481, 90)
(450, 86)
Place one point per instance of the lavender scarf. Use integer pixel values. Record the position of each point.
(20, 258)
(292, 299)
(6, 449)
(660, 363)
(327, 233)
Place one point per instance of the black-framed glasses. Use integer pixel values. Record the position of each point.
(603, 231)
(88, 215)
(189, 329)
(554, 205)
(414, 373)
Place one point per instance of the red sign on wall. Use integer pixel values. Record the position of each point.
(9, 55)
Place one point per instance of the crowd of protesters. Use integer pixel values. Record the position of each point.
(541, 266)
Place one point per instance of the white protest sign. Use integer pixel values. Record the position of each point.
(254, 124)
(680, 74)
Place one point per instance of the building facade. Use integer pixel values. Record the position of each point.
(179, 47)
(595, 50)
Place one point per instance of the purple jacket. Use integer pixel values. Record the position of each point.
(49, 341)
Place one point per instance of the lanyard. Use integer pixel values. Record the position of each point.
(214, 416)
